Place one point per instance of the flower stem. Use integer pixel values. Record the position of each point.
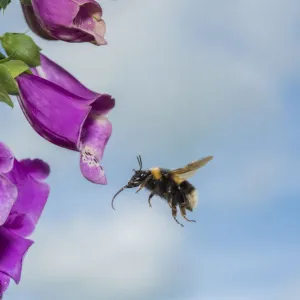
(26, 2)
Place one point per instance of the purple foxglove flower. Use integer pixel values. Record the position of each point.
(72, 21)
(67, 114)
(22, 200)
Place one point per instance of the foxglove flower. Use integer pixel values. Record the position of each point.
(72, 21)
(22, 200)
(67, 114)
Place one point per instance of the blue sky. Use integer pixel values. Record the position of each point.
(191, 78)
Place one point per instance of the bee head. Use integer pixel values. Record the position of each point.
(138, 177)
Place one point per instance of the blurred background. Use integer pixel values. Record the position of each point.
(191, 78)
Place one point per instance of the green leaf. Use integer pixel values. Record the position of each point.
(7, 81)
(4, 97)
(22, 47)
(3, 4)
(2, 56)
(16, 67)
(8, 58)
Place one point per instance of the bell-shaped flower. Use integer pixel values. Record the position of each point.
(22, 200)
(72, 21)
(67, 114)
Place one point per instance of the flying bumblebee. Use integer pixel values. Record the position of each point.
(171, 185)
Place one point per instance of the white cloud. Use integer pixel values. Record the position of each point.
(110, 258)
(250, 180)
(140, 255)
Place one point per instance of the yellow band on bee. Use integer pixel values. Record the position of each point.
(177, 179)
(156, 173)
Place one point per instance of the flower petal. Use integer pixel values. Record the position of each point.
(56, 74)
(37, 168)
(6, 158)
(82, 2)
(71, 21)
(4, 283)
(71, 35)
(51, 71)
(55, 13)
(12, 251)
(33, 22)
(97, 131)
(54, 113)
(103, 105)
(8, 196)
(20, 224)
(32, 197)
(89, 20)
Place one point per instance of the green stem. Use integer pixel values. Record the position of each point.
(26, 2)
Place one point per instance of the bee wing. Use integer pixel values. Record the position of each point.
(190, 169)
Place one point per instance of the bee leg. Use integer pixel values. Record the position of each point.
(174, 213)
(183, 213)
(185, 202)
(149, 199)
(143, 184)
(183, 209)
(171, 197)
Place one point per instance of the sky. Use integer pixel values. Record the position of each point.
(191, 78)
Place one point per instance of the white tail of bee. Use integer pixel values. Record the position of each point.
(193, 199)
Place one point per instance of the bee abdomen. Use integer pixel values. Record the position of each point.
(192, 200)
(191, 195)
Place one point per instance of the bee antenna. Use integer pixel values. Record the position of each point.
(139, 158)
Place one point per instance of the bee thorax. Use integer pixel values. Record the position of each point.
(156, 173)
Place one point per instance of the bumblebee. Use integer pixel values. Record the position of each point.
(170, 185)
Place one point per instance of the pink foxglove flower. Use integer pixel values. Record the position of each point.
(22, 199)
(73, 21)
(67, 114)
